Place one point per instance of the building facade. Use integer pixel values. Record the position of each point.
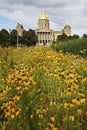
(20, 29)
(46, 35)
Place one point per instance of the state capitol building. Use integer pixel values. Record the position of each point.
(46, 35)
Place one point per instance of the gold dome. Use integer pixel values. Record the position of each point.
(43, 15)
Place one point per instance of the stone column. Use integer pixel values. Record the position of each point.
(42, 38)
(47, 37)
(39, 37)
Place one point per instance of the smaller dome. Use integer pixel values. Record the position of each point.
(43, 15)
(67, 26)
(19, 25)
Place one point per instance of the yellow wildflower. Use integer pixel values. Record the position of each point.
(7, 114)
(79, 111)
(46, 128)
(65, 105)
(13, 109)
(52, 103)
(77, 102)
(51, 125)
(83, 100)
(12, 116)
(71, 118)
(68, 93)
(40, 116)
(31, 116)
(52, 118)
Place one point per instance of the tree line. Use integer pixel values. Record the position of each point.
(29, 38)
(11, 38)
(64, 37)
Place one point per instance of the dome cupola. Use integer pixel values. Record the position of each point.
(43, 15)
(67, 29)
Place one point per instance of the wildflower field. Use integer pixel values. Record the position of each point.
(41, 89)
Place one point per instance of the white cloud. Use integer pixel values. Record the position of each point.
(54, 26)
(59, 12)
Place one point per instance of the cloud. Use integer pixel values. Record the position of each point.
(59, 12)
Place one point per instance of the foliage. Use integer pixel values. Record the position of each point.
(13, 37)
(75, 46)
(4, 37)
(41, 89)
(10, 38)
(75, 36)
(64, 37)
(84, 36)
(29, 37)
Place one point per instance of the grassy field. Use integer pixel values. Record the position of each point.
(41, 89)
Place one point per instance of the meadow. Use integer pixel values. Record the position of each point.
(41, 89)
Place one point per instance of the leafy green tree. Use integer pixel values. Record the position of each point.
(75, 36)
(1, 38)
(62, 37)
(29, 38)
(84, 36)
(13, 37)
(10, 38)
(4, 37)
(33, 37)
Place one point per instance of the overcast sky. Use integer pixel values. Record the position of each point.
(59, 11)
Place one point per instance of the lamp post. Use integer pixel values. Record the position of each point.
(9, 36)
(17, 39)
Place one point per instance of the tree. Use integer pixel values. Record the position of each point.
(13, 37)
(84, 36)
(1, 38)
(62, 37)
(4, 37)
(75, 36)
(29, 37)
